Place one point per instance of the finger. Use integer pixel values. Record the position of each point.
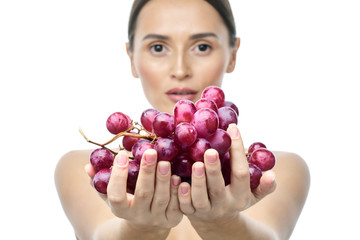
(173, 209)
(162, 189)
(90, 170)
(214, 178)
(240, 175)
(267, 185)
(199, 193)
(185, 199)
(145, 185)
(116, 190)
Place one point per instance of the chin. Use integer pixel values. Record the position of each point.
(170, 110)
(167, 108)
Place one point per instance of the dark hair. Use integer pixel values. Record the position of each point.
(221, 6)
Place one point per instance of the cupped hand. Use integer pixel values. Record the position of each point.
(208, 199)
(154, 202)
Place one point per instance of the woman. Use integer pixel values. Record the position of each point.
(177, 48)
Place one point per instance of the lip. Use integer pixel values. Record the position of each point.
(177, 94)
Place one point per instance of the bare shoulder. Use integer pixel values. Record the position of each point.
(82, 205)
(73, 158)
(289, 159)
(293, 157)
(292, 171)
(70, 171)
(282, 208)
(292, 167)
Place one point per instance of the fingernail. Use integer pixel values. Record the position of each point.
(150, 157)
(121, 159)
(164, 168)
(233, 131)
(198, 170)
(175, 180)
(211, 156)
(184, 190)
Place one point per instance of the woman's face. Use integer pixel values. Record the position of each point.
(180, 47)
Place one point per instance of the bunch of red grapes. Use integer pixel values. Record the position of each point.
(181, 138)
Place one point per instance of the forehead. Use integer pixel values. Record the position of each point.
(179, 16)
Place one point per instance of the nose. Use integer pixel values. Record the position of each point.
(181, 67)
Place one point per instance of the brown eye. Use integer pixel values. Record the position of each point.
(203, 47)
(157, 48)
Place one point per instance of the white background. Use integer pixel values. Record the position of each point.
(63, 65)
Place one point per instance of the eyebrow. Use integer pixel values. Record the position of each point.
(203, 35)
(192, 37)
(156, 36)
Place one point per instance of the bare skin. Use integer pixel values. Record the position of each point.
(195, 54)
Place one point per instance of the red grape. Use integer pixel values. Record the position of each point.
(166, 149)
(185, 134)
(205, 121)
(197, 150)
(147, 117)
(128, 142)
(182, 165)
(206, 103)
(214, 93)
(186, 179)
(139, 149)
(220, 141)
(226, 167)
(137, 145)
(163, 124)
(134, 168)
(232, 105)
(101, 158)
(263, 158)
(255, 146)
(227, 115)
(255, 175)
(184, 111)
(101, 180)
(129, 121)
(117, 122)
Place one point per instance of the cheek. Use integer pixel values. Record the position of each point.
(212, 73)
(150, 71)
(152, 75)
(149, 75)
(146, 74)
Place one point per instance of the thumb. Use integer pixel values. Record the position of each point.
(267, 185)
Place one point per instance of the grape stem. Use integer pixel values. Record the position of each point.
(98, 144)
(125, 133)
